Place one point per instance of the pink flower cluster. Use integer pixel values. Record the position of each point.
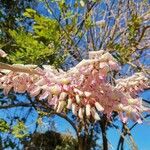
(133, 84)
(84, 88)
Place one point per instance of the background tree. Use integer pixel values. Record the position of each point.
(11, 16)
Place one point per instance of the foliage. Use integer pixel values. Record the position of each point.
(40, 46)
(4, 127)
(125, 50)
(19, 130)
(51, 140)
(10, 18)
(10, 133)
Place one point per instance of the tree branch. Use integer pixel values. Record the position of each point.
(18, 68)
(143, 32)
(103, 125)
(76, 55)
(15, 105)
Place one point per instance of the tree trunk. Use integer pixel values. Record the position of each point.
(84, 143)
(103, 125)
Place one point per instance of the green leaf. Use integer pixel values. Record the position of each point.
(4, 127)
(20, 130)
(29, 13)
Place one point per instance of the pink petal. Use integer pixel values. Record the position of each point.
(44, 95)
(35, 91)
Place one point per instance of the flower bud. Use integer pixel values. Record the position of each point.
(99, 107)
(49, 97)
(44, 95)
(55, 89)
(62, 96)
(40, 82)
(78, 99)
(54, 102)
(60, 107)
(69, 103)
(88, 110)
(94, 114)
(78, 91)
(35, 91)
(80, 113)
(74, 109)
(66, 87)
(87, 94)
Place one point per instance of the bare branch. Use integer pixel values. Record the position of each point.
(15, 105)
(18, 68)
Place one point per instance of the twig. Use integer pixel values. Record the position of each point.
(15, 105)
(18, 68)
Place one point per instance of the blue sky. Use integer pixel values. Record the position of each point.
(140, 132)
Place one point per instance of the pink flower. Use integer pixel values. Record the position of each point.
(55, 89)
(123, 117)
(88, 110)
(6, 89)
(83, 88)
(44, 95)
(99, 107)
(77, 99)
(113, 65)
(69, 103)
(80, 113)
(60, 106)
(74, 109)
(53, 101)
(34, 92)
(94, 114)
(62, 96)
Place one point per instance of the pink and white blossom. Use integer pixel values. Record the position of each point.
(84, 88)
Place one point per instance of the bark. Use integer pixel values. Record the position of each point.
(103, 125)
(84, 143)
(126, 131)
